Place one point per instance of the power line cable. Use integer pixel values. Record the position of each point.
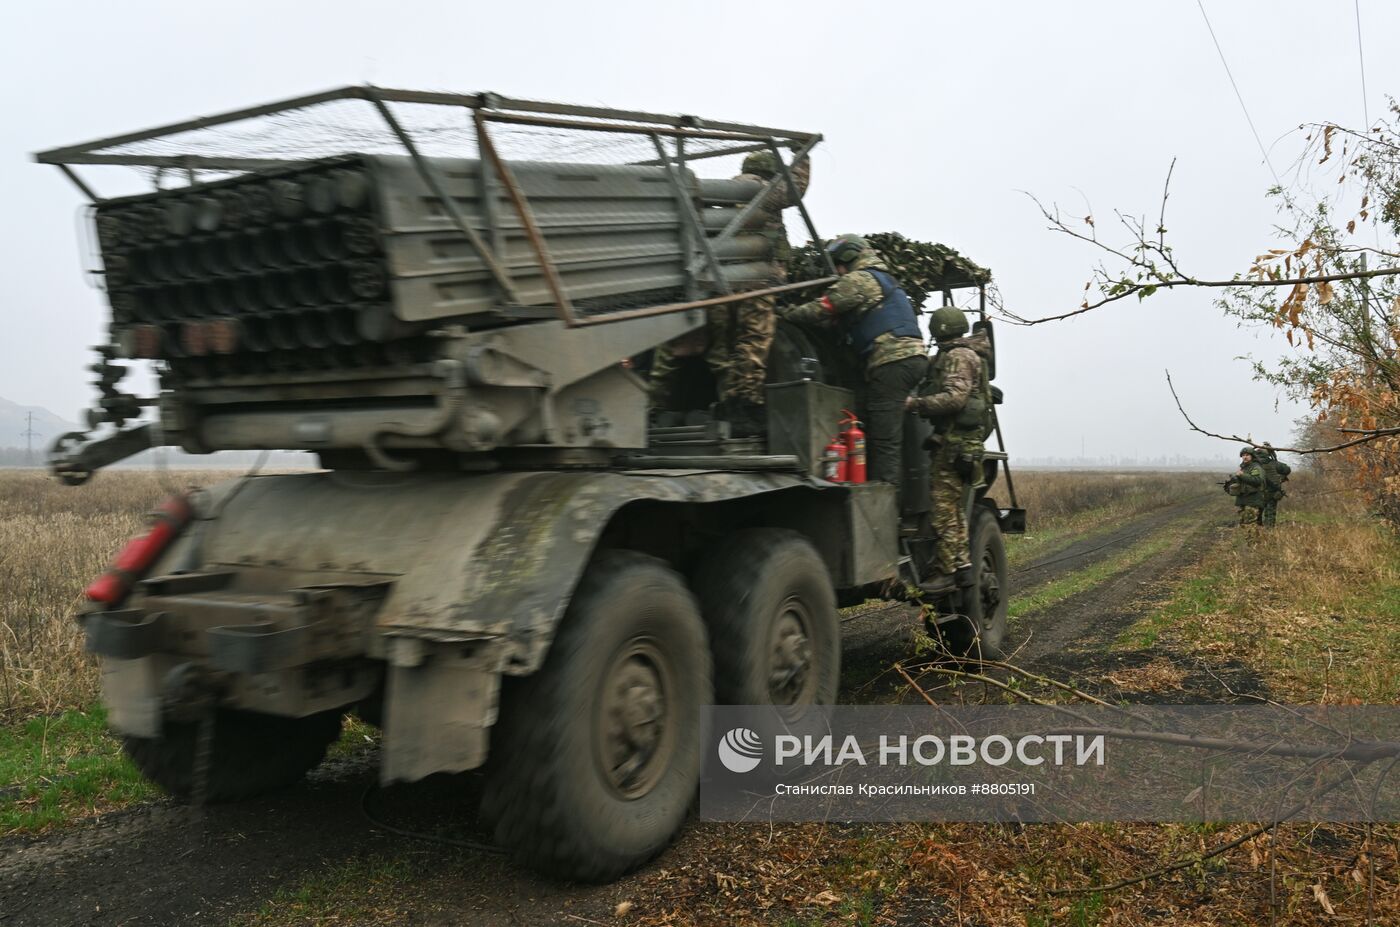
(1238, 96)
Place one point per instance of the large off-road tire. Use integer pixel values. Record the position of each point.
(597, 756)
(767, 598)
(252, 753)
(983, 632)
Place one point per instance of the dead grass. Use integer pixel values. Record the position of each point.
(1313, 606)
(893, 875)
(54, 539)
(1160, 675)
(1061, 505)
(1052, 496)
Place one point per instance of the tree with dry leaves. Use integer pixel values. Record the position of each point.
(1332, 287)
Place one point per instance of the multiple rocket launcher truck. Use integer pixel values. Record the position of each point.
(500, 562)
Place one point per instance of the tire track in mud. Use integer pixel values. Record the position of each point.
(874, 639)
(152, 866)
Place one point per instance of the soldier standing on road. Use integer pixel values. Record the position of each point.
(956, 397)
(880, 326)
(741, 333)
(1275, 475)
(1250, 500)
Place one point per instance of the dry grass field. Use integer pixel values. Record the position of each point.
(1313, 605)
(54, 539)
(1061, 504)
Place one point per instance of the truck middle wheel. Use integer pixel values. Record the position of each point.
(767, 598)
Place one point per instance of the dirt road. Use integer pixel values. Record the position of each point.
(153, 865)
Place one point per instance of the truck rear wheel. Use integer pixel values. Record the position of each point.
(984, 631)
(596, 757)
(252, 753)
(768, 601)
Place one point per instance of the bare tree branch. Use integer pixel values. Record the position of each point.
(1170, 282)
(1367, 435)
(1151, 264)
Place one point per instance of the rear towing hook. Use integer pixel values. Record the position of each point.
(191, 693)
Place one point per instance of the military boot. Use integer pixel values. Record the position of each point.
(943, 583)
(746, 419)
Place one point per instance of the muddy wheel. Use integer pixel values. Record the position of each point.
(983, 632)
(771, 611)
(252, 754)
(596, 757)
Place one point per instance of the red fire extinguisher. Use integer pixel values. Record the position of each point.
(137, 557)
(854, 440)
(835, 464)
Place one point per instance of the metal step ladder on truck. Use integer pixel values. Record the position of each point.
(500, 564)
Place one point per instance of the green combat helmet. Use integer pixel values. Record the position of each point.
(1250, 451)
(762, 163)
(947, 322)
(844, 249)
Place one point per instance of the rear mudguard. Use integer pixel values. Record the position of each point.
(472, 556)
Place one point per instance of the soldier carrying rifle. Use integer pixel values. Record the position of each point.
(1247, 486)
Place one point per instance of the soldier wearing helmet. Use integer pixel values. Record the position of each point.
(738, 335)
(956, 398)
(1275, 475)
(1251, 482)
(880, 325)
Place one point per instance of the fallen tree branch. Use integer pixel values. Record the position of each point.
(1202, 857)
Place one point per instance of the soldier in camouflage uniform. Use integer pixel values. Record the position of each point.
(1275, 475)
(1250, 500)
(956, 397)
(881, 326)
(740, 334)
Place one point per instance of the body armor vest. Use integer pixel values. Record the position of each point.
(895, 315)
(975, 419)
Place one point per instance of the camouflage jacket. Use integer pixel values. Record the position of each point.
(767, 217)
(956, 374)
(1251, 480)
(850, 297)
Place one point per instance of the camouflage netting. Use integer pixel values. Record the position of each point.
(922, 267)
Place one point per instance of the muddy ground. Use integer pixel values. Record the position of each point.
(155, 865)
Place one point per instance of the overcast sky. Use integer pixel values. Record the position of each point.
(936, 116)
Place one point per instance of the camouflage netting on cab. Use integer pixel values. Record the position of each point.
(922, 267)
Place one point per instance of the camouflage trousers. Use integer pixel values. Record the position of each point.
(739, 336)
(1251, 516)
(947, 488)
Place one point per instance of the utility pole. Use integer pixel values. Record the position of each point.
(29, 434)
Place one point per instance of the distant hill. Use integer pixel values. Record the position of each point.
(14, 422)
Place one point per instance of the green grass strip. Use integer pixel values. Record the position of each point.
(57, 769)
(1058, 590)
(1197, 595)
(362, 890)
